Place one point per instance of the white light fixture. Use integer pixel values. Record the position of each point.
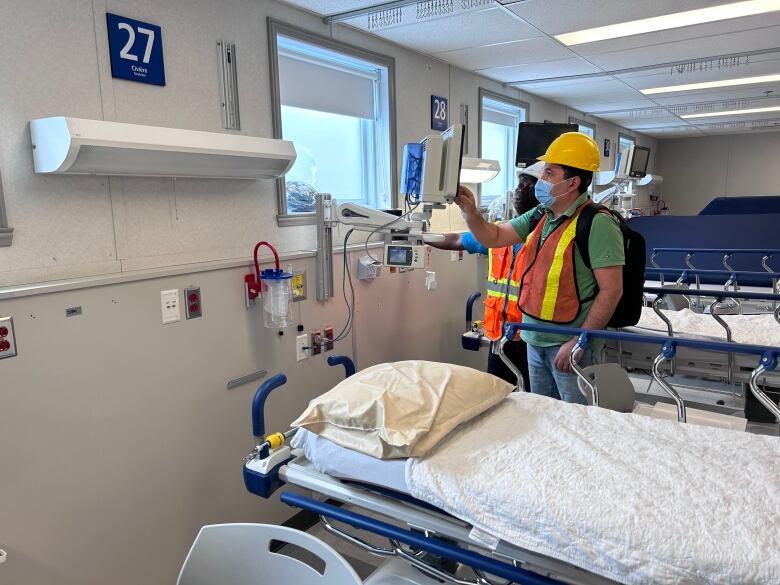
(713, 84)
(733, 112)
(669, 21)
(478, 170)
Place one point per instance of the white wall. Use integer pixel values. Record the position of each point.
(119, 439)
(696, 170)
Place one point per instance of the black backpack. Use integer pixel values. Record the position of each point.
(629, 308)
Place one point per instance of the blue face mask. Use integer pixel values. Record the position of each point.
(543, 192)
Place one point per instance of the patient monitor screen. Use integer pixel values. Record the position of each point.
(399, 256)
(639, 162)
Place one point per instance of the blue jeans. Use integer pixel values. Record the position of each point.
(548, 380)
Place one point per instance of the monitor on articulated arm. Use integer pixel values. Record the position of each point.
(431, 168)
(631, 162)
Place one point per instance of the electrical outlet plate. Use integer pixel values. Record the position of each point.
(193, 306)
(7, 341)
(328, 338)
(169, 300)
(316, 342)
(301, 353)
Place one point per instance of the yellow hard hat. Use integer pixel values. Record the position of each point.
(573, 149)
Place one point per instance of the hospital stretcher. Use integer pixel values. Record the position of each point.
(730, 368)
(423, 527)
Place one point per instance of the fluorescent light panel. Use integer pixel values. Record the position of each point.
(733, 112)
(669, 21)
(478, 170)
(713, 84)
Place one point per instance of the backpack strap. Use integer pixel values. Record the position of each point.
(536, 217)
(585, 223)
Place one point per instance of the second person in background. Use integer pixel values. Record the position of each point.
(503, 280)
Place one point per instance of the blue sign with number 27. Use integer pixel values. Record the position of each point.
(136, 50)
(439, 113)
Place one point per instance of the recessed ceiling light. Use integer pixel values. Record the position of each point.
(669, 21)
(733, 112)
(713, 84)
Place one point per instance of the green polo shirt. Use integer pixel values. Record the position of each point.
(605, 245)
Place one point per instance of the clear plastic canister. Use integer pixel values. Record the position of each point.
(277, 297)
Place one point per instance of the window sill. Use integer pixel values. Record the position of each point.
(296, 219)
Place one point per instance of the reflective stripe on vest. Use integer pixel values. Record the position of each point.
(503, 290)
(554, 275)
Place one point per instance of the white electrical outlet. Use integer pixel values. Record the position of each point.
(171, 311)
(301, 342)
(454, 256)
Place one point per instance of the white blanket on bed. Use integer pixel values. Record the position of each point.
(631, 498)
(754, 329)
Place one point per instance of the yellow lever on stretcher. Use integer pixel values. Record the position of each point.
(275, 440)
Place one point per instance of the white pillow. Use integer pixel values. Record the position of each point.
(401, 409)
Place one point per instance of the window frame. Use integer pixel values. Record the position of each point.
(275, 28)
(492, 95)
(627, 138)
(580, 122)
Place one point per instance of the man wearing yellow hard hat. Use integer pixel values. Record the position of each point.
(558, 286)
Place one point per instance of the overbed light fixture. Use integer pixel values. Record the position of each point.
(478, 170)
(669, 21)
(733, 112)
(712, 84)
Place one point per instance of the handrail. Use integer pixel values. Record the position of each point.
(349, 365)
(718, 294)
(684, 272)
(437, 547)
(258, 407)
(731, 251)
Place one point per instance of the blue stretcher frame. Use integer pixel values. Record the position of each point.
(266, 485)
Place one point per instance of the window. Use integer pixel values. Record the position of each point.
(499, 119)
(624, 141)
(584, 127)
(333, 101)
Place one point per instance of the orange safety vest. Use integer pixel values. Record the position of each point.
(548, 290)
(503, 289)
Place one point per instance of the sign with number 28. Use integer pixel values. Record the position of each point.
(439, 113)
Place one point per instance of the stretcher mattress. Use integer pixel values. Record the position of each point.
(752, 329)
(339, 462)
(636, 500)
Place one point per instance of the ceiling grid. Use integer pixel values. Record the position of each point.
(620, 60)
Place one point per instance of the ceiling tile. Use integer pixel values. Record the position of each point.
(327, 7)
(560, 67)
(517, 53)
(709, 33)
(461, 30)
(573, 15)
(737, 42)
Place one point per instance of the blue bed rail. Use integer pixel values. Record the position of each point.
(713, 276)
(264, 482)
(717, 294)
(436, 547)
(722, 251)
(768, 355)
